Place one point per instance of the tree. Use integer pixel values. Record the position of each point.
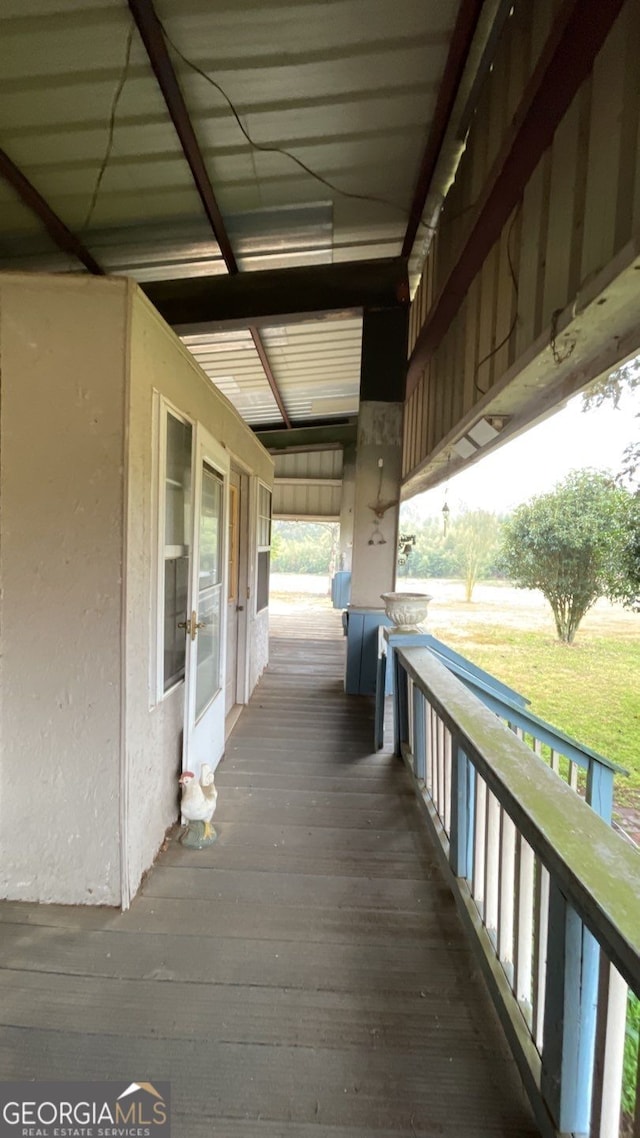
(610, 389)
(573, 544)
(474, 542)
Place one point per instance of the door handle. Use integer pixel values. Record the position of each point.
(191, 626)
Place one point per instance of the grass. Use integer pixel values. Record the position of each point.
(589, 690)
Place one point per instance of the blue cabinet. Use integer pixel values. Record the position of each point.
(362, 649)
(341, 589)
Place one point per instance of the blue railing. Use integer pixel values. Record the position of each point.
(563, 754)
(548, 892)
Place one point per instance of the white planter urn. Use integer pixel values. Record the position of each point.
(407, 610)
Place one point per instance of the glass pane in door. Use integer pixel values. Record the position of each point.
(209, 590)
(208, 649)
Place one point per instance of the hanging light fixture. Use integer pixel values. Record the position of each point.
(445, 517)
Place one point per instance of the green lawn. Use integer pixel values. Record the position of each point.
(591, 690)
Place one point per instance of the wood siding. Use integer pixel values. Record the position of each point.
(579, 212)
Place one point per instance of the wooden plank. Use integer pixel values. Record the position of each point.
(504, 300)
(304, 977)
(629, 168)
(471, 345)
(580, 188)
(562, 188)
(486, 322)
(364, 1088)
(263, 963)
(529, 261)
(605, 139)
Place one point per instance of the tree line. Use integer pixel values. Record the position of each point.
(579, 542)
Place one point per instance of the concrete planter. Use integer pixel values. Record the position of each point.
(407, 610)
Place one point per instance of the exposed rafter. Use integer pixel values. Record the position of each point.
(154, 41)
(461, 41)
(578, 33)
(266, 366)
(57, 230)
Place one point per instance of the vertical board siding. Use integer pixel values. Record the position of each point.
(578, 210)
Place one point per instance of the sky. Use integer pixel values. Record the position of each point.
(535, 461)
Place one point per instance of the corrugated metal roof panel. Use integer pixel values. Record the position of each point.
(350, 96)
(309, 464)
(316, 366)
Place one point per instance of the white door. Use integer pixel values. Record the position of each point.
(205, 632)
(233, 591)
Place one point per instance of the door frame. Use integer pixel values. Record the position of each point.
(206, 449)
(246, 558)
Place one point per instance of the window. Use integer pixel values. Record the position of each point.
(176, 546)
(209, 601)
(264, 547)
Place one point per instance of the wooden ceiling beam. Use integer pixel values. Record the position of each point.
(579, 31)
(55, 227)
(154, 41)
(281, 293)
(310, 434)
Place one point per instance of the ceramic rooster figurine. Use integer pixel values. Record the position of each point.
(198, 807)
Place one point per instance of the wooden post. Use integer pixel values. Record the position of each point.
(600, 789)
(569, 1017)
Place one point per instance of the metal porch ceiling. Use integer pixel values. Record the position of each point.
(348, 87)
(343, 86)
(316, 366)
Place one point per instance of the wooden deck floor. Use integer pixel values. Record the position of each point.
(306, 977)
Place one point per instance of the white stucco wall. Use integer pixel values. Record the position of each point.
(159, 363)
(259, 646)
(89, 755)
(374, 566)
(62, 414)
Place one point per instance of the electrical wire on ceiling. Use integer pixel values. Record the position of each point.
(265, 148)
(516, 316)
(111, 128)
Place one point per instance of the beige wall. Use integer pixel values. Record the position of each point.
(89, 756)
(159, 363)
(62, 415)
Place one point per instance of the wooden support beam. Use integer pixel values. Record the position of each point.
(383, 366)
(576, 37)
(303, 436)
(459, 46)
(55, 227)
(281, 293)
